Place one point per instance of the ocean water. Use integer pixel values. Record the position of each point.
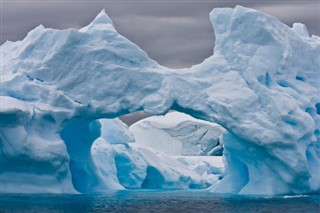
(157, 201)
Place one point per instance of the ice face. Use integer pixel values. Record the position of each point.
(179, 134)
(261, 84)
(136, 167)
(33, 158)
(115, 131)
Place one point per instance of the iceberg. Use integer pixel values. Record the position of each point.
(261, 85)
(34, 159)
(192, 142)
(179, 134)
(210, 168)
(137, 167)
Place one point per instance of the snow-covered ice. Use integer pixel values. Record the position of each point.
(261, 85)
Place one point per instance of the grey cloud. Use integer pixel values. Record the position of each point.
(203, 48)
(162, 38)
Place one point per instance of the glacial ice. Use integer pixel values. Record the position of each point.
(210, 168)
(261, 85)
(190, 141)
(115, 131)
(135, 167)
(179, 134)
(34, 159)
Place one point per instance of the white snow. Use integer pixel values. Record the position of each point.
(261, 85)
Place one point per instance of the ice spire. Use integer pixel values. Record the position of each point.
(101, 22)
(102, 18)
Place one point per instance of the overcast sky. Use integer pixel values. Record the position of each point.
(175, 33)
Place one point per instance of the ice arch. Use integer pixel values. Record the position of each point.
(262, 85)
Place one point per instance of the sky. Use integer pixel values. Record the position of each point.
(176, 33)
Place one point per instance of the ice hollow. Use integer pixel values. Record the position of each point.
(179, 134)
(261, 85)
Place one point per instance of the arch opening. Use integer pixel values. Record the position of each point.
(136, 165)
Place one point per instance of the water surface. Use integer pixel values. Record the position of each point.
(157, 201)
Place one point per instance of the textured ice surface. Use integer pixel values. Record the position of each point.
(33, 158)
(179, 134)
(261, 85)
(211, 168)
(115, 131)
(187, 139)
(137, 167)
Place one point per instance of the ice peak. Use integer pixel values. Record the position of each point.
(300, 30)
(40, 27)
(102, 18)
(37, 29)
(101, 22)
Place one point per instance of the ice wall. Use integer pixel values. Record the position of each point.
(33, 158)
(179, 134)
(137, 167)
(261, 84)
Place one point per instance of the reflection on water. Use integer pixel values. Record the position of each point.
(157, 201)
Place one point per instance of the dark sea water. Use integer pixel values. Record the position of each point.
(157, 201)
